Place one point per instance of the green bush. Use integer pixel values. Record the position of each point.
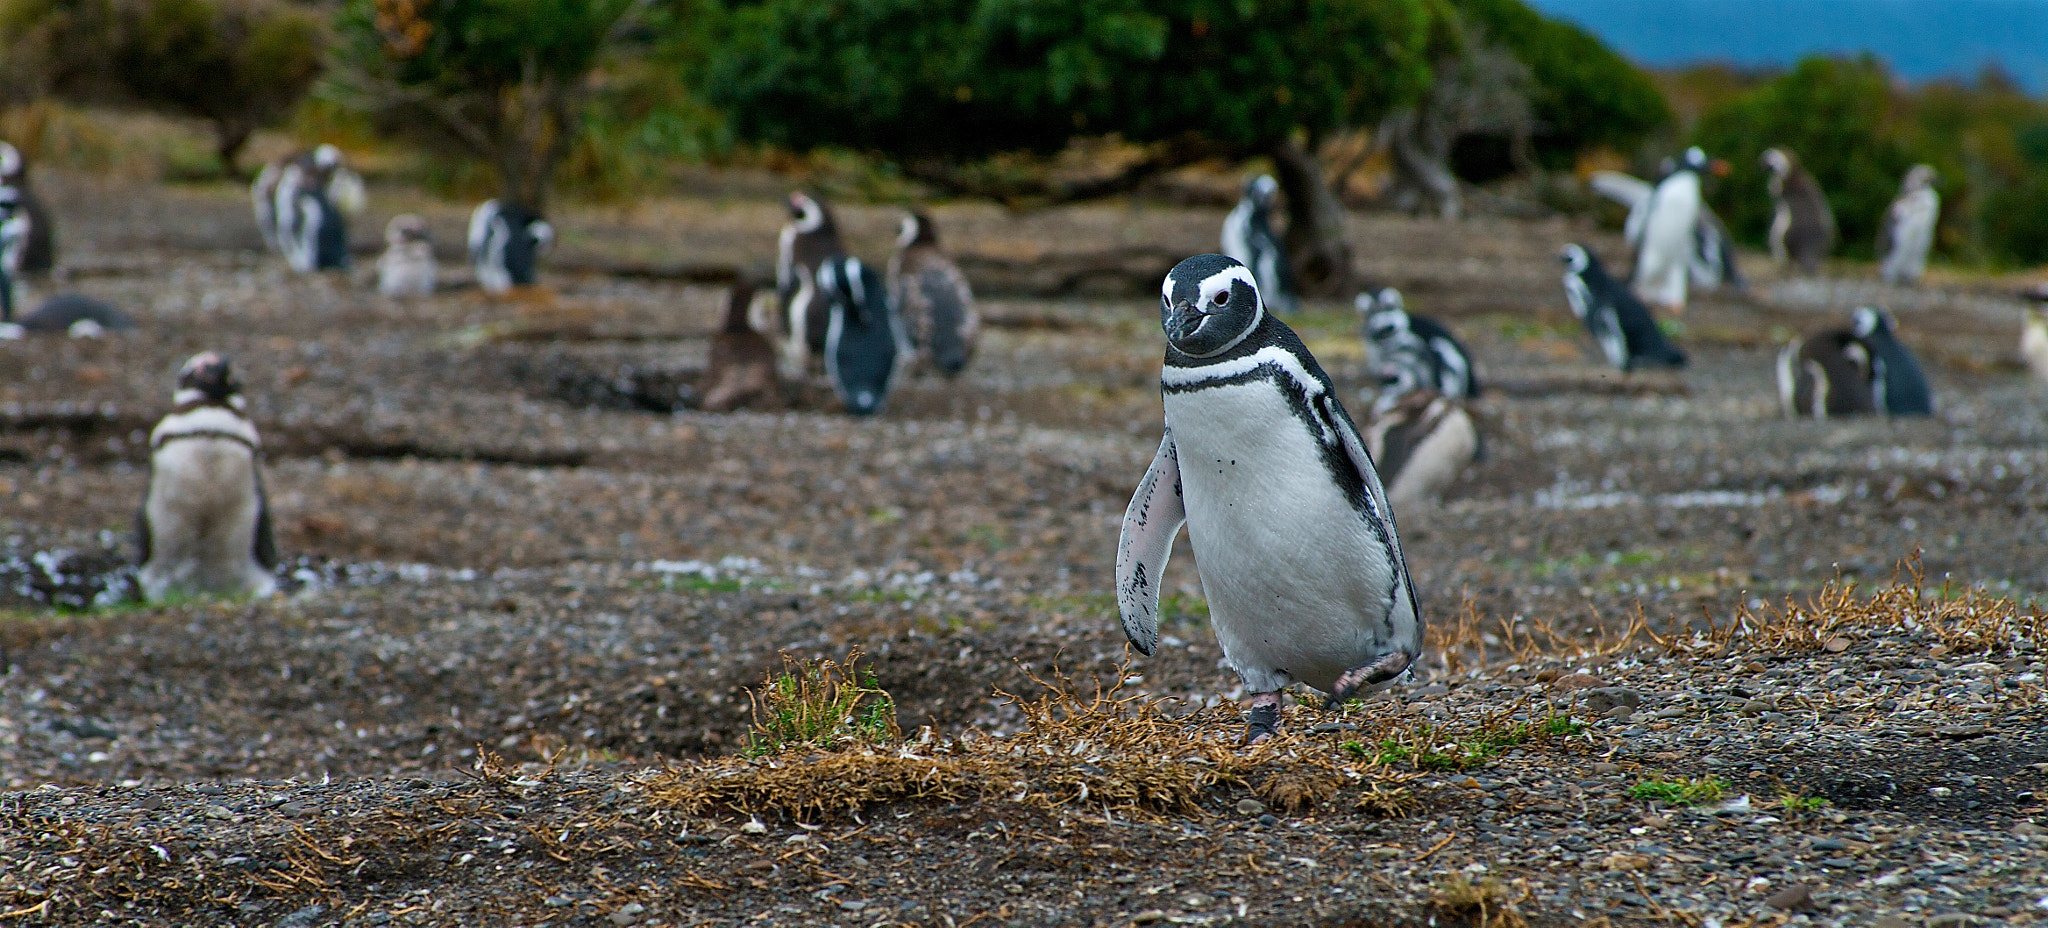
(1585, 95)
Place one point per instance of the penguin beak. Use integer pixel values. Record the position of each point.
(1181, 319)
(1719, 167)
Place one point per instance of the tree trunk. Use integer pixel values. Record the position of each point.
(1315, 240)
(229, 137)
(1422, 173)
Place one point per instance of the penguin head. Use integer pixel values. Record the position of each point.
(1370, 302)
(1694, 159)
(1777, 160)
(405, 229)
(541, 234)
(1208, 304)
(1867, 322)
(326, 157)
(807, 213)
(917, 229)
(1920, 177)
(1576, 258)
(10, 161)
(208, 377)
(1262, 189)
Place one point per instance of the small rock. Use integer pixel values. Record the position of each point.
(303, 918)
(1194, 901)
(1250, 807)
(1891, 921)
(2028, 830)
(1269, 820)
(1324, 728)
(1149, 916)
(1836, 645)
(754, 826)
(852, 905)
(1622, 862)
(1838, 863)
(1951, 920)
(1792, 898)
(628, 913)
(1960, 732)
(220, 812)
(1758, 706)
(1605, 698)
(558, 902)
(1603, 768)
(1829, 844)
(1620, 713)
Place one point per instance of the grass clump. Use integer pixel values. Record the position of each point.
(1795, 802)
(1681, 791)
(1440, 748)
(821, 705)
(1484, 902)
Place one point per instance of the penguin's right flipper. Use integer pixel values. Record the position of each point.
(1151, 523)
(142, 540)
(264, 548)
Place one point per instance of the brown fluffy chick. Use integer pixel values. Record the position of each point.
(742, 360)
(933, 299)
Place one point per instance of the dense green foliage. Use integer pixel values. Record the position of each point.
(971, 77)
(1857, 131)
(238, 64)
(1585, 95)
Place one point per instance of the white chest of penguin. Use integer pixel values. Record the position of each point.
(1288, 566)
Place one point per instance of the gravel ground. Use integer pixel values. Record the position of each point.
(510, 534)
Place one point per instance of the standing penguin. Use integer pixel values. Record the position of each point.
(742, 367)
(407, 268)
(1908, 229)
(1802, 226)
(932, 296)
(33, 249)
(1712, 263)
(1825, 374)
(277, 192)
(1421, 443)
(2034, 334)
(312, 232)
(1412, 352)
(1665, 233)
(1291, 529)
(1627, 333)
(1898, 386)
(1248, 238)
(506, 243)
(865, 345)
(65, 313)
(205, 525)
(808, 240)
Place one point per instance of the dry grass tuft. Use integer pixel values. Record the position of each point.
(1485, 903)
(1383, 801)
(1295, 790)
(1960, 622)
(1470, 642)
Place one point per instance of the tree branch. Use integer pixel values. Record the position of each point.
(1040, 192)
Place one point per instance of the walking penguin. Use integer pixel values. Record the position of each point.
(506, 242)
(205, 525)
(1627, 333)
(1248, 238)
(1908, 231)
(1291, 529)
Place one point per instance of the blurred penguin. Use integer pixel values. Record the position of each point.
(30, 247)
(1665, 233)
(1898, 385)
(1419, 445)
(1802, 225)
(65, 313)
(1712, 263)
(742, 368)
(1825, 375)
(1411, 352)
(506, 243)
(1622, 326)
(277, 195)
(1908, 230)
(933, 299)
(407, 268)
(1248, 237)
(808, 240)
(2034, 333)
(205, 523)
(865, 347)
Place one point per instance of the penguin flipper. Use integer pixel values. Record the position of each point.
(1405, 636)
(142, 539)
(1151, 523)
(264, 548)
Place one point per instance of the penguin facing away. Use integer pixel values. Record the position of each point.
(865, 347)
(205, 524)
(1248, 238)
(1293, 534)
(33, 249)
(506, 243)
(1824, 375)
(1802, 226)
(1626, 332)
(13, 232)
(933, 299)
(1898, 385)
(407, 267)
(1411, 352)
(1907, 233)
(742, 367)
(808, 240)
(1421, 444)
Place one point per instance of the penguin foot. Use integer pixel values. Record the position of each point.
(1366, 675)
(1264, 721)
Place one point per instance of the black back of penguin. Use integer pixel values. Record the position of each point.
(1898, 384)
(506, 242)
(863, 342)
(1615, 316)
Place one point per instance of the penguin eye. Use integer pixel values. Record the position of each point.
(1222, 297)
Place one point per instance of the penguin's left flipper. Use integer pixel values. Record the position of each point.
(265, 541)
(1153, 520)
(142, 539)
(1390, 665)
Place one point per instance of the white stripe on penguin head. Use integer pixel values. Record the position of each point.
(1221, 281)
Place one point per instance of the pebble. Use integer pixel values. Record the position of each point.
(1792, 898)
(628, 913)
(852, 905)
(303, 918)
(1149, 916)
(1250, 807)
(1607, 698)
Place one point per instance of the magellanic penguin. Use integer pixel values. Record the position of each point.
(279, 195)
(1248, 238)
(33, 249)
(933, 299)
(311, 230)
(1411, 352)
(1907, 233)
(205, 525)
(1292, 532)
(1620, 323)
(1712, 262)
(70, 314)
(506, 243)
(865, 345)
(407, 267)
(1421, 443)
(1802, 225)
(2034, 334)
(1898, 386)
(1665, 233)
(1825, 374)
(808, 240)
(742, 368)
